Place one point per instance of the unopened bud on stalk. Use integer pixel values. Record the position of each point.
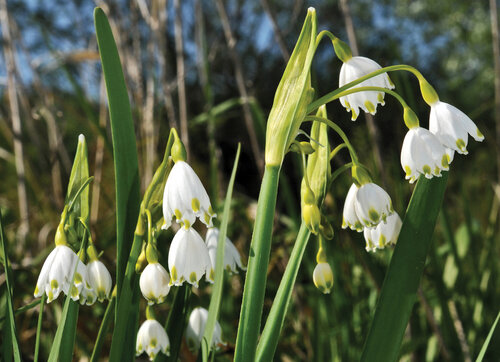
(302, 147)
(342, 50)
(310, 211)
(410, 118)
(429, 94)
(141, 260)
(323, 277)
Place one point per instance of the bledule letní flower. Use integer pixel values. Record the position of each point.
(185, 197)
(355, 68)
(323, 277)
(188, 258)
(385, 233)
(196, 329)
(99, 279)
(349, 217)
(154, 283)
(232, 257)
(423, 154)
(57, 273)
(452, 126)
(152, 338)
(373, 204)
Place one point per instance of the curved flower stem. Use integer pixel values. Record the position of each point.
(39, 328)
(274, 323)
(336, 150)
(338, 172)
(320, 36)
(255, 282)
(339, 131)
(333, 95)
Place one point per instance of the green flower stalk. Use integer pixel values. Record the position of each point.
(289, 109)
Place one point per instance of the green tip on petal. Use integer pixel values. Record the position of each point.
(461, 145)
(192, 277)
(173, 274)
(427, 169)
(371, 108)
(374, 215)
(195, 204)
(407, 170)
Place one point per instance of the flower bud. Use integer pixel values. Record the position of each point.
(312, 217)
(342, 50)
(323, 277)
(178, 151)
(429, 94)
(410, 118)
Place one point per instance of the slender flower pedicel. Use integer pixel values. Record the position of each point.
(188, 258)
(196, 329)
(152, 338)
(385, 233)
(452, 126)
(232, 257)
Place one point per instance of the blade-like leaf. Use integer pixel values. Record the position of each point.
(400, 286)
(213, 310)
(488, 339)
(10, 342)
(126, 184)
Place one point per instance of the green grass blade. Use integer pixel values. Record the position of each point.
(12, 346)
(103, 329)
(124, 143)
(39, 328)
(400, 286)
(487, 341)
(213, 309)
(126, 184)
(69, 332)
(274, 323)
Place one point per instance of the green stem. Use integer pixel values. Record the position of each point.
(255, 283)
(339, 131)
(338, 172)
(274, 323)
(336, 150)
(103, 329)
(334, 94)
(39, 328)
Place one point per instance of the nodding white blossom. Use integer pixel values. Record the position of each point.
(422, 153)
(81, 289)
(152, 338)
(385, 233)
(99, 279)
(196, 329)
(323, 277)
(185, 197)
(372, 204)
(452, 126)
(355, 68)
(349, 217)
(57, 273)
(232, 258)
(154, 283)
(188, 258)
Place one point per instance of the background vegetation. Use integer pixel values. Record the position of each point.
(210, 69)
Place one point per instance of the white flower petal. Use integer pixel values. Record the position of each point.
(232, 258)
(385, 233)
(349, 216)
(372, 204)
(99, 279)
(154, 283)
(152, 338)
(188, 258)
(196, 329)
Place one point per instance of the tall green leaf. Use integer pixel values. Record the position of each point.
(215, 301)
(400, 286)
(10, 344)
(126, 184)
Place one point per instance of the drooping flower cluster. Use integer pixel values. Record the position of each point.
(64, 271)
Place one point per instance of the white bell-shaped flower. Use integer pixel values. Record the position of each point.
(188, 258)
(372, 204)
(385, 233)
(323, 277)
(152, 338)
(87, 295)
(452, 126)
(355, 68)
(57, 273)
(349, 217)
(99, 279)
(81, 288)
(185, 197)
(154, 283)
(232, 258)
(196, 329)
(422, 153)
